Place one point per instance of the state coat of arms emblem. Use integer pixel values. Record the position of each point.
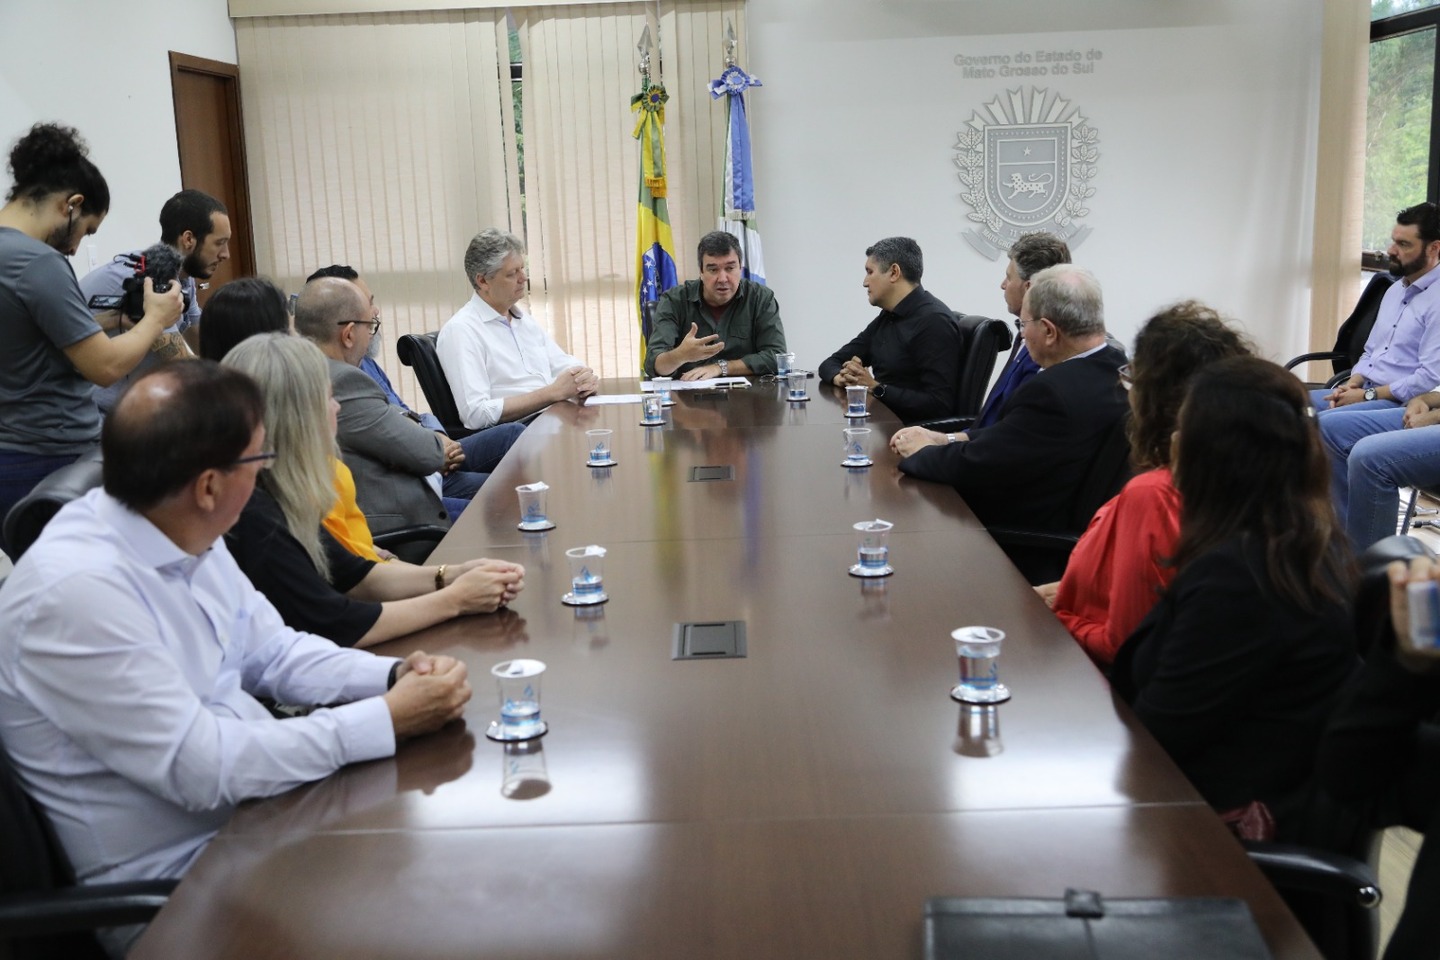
(1026, 161)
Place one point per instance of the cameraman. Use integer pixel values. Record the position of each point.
(52, 344)
(197, 227)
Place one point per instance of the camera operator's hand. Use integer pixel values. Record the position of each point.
(162, 308)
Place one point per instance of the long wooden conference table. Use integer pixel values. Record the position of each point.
(800, 802)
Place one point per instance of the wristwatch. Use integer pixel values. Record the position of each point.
(879, 391)
(724, 366)
(950, 438)
(1369, 393)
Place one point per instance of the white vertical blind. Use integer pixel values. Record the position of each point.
(379, 141)
(387, 140)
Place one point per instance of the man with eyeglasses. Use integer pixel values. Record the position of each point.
(908, 357)
(1025, 469)
(133, 651)
(1028, 256)
(468, 460)
(389, 454)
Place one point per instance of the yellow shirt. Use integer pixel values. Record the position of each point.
(345, 522)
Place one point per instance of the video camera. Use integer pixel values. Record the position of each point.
(161, 263)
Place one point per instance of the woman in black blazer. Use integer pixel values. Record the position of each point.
(1381, 753)
(1237, 668)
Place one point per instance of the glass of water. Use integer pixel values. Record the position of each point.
(651, 404)
(873, 554)
(532, 507)
(978, 650)
(662, 390)
(599, 441)
(855, 401)
(587, 576)
(784, 362)
(795, 382)
(857, 444)
(519, 685)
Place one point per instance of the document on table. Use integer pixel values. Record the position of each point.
(607, 399)
(649, 385)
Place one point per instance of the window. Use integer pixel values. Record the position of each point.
(1401, 145)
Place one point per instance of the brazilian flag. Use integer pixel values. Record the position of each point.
(654, 256)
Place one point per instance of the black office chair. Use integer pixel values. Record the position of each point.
(43, 913)
(1330, 882)
(982, 339)
(31, 512)
(1350, 339)
(1041, 555)
(411, 544)
(417, 351)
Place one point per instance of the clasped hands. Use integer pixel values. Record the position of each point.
(907, 440)
(1419, 414)
(454, 454)
(429, 692)
(575, 383)
(853, 373)
(485, 585)
(1346, 394)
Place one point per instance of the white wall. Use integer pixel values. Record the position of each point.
(1207, 114)
(103, 67)
(1206, 110)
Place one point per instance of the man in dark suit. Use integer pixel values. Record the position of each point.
(390, 454)
(1028, 256)
(1024, 469)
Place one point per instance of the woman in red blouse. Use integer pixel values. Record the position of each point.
(1120, 565)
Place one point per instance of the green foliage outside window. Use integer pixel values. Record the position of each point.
(1397, 125)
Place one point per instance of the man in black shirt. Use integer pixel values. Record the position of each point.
(912, 349)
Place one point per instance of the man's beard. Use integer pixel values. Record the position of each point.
(194, 267)
(373, 350)
(59, 238)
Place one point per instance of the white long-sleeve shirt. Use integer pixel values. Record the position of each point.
(487, 359)
(127, 669)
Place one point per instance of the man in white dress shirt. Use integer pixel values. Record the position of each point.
(500, 363)
(132, 648)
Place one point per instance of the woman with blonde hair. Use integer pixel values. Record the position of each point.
(315, 583)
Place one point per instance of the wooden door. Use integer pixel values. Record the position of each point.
(209, 129)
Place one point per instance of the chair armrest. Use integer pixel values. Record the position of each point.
(1048, 540)
(82, 907)
(1308, 357)
(947, 424)
(422, 533)
(1316, 871)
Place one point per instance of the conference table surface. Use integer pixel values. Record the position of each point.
(801, 801)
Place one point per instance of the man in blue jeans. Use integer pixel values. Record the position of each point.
(1373, 453)
(473, 457)
(1402, 354)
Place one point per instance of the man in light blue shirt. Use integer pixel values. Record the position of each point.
(133, 650)
(1401, 363)
(197, 226)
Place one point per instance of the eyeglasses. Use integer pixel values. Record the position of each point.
(374, 324)
(253, 458)
(1127, 377)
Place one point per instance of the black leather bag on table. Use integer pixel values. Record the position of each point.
(1083, 926)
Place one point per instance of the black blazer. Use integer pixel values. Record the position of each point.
(1023, 470)
(1235, 681)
